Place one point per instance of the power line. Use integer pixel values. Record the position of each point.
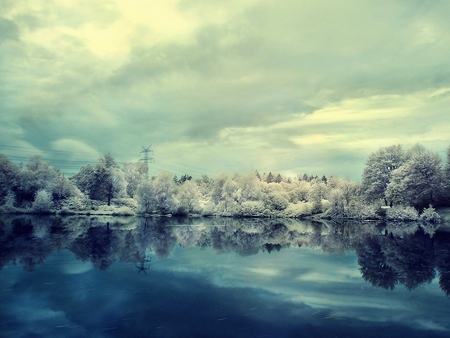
(54, 157)
(34, 150)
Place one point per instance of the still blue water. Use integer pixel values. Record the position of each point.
(107, 277)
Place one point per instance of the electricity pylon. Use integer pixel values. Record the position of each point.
(146, 159)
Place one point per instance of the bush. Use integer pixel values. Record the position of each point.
(360, 210)
(298, 210)
(76, 203)
(276, 201)
(125, 202)
(401, 213)
(429, 215)
(252, 208)
(43, 202)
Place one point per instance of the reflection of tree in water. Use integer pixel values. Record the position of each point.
(129, 251)
(156, 234)
(96, 245)
(190, 236)
(442, 252)
(251, 237)
(338, 238)
(20, 245)
(373, 266)
(385, 261)
(412, 257)
(226, 239)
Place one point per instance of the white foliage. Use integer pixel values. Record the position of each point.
(43, 202)
(189, 198)
(401, 213)
(146, 199)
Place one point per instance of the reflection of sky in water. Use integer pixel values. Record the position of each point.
(198, 293)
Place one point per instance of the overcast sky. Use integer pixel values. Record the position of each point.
(223, 86)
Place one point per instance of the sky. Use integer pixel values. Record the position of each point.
(310, 86)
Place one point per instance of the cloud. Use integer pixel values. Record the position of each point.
(259, 85)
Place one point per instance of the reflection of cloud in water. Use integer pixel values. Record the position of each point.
(76, 268)
(327, 283)
(341, 276)
(263, 271)
(430, 325)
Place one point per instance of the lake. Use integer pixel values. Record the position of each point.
(220, 277)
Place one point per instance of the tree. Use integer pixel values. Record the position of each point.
(185, 178)
(8, 177)
(188, 197)
(216, 191)
(378, 171)
(336, 198)
(103, 181)
(269, 178)
(418, 181)
(43, 202)
(84, 179)
(249, 188)
(258, 175)
(134, 174)
(146, 198)
(36, 175)
(317, 193)
(278, 179)
(446, 177)
(164, 190)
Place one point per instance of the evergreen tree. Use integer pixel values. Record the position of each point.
(278, 179)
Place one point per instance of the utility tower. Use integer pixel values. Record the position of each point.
(146, 159)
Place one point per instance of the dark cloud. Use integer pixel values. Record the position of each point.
(8, 30)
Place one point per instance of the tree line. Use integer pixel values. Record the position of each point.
(404, 182)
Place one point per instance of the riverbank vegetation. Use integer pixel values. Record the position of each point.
(396, 184)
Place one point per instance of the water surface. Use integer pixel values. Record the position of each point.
(128, 277)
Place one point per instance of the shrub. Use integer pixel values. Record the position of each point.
(429, 215)
(76, 203)
(298, 210)
(252, 208)
(275, 201)
(360, 210)
(401, 213)
(125, 202)
(43, 202)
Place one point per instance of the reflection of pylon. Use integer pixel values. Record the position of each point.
(142, 267)
(146, 159)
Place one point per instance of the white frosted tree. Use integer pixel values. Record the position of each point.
(43, 202)
(165, 189)
(419, 181)
(249, 188)
(189, 198)
(317, 193)
(134, 174)
(378, 172)
(146, 199)
(34, 176)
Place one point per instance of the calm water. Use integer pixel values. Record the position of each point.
(128, 277)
